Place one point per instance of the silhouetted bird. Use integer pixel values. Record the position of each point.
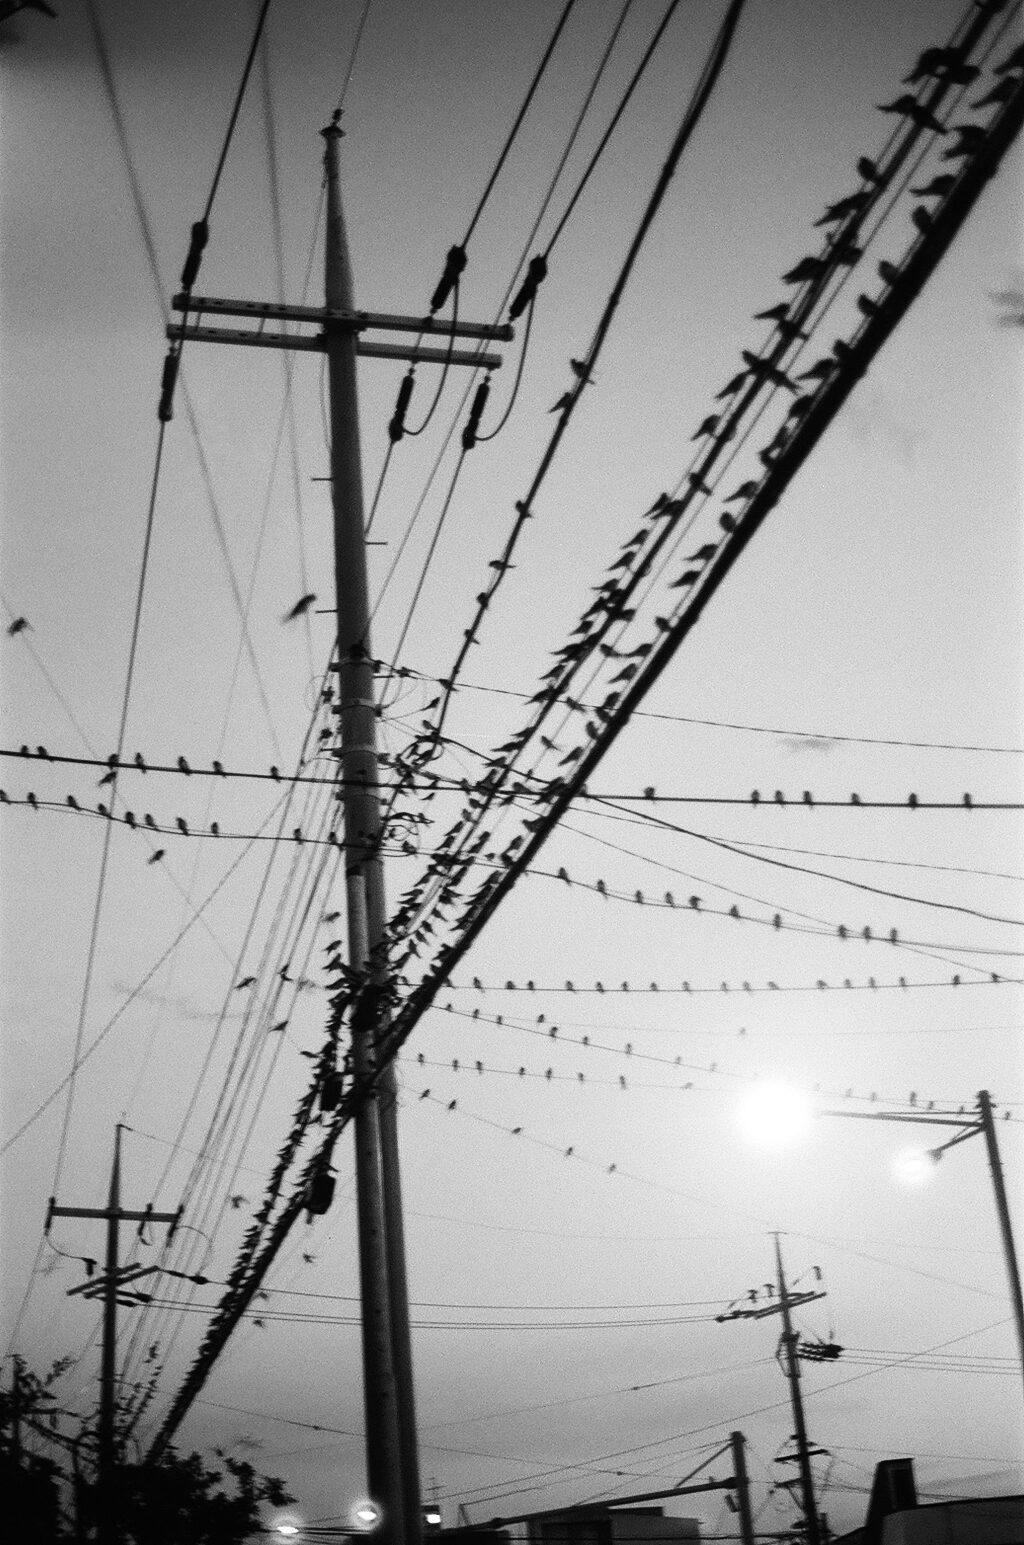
(819, 371)
(843, 207)
(934, 62)
(767, 371)
(773, 314)
(580, 371)
(247, 981)
(73, 802)
(938, 185)
(140, 764)
(868, 169)
(107, 778)
(971, 139)
(181, 824)
(183, 766)
(909, 107)
(708, 427)
(888, 271)
(703, 553)
(808, 268)
(563, 402)
(18, 626)
(1013, 61)
(744, 491)
(1001, 92)
(731, 386)
(300, 608)
(154, 858)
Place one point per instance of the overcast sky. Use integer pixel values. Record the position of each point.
(867, 641)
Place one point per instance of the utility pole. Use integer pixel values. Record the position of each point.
(1003, 1211)
(110, 1285)
(391, 1446)
(739, 1469)
(789, 1340)
(967, 1127)
(783, 1304)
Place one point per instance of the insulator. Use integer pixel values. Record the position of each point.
(475, 414)
(165, 411)
(190, 271)
(396, 428)
(536, 272)
(320, 1194)
(454, 265)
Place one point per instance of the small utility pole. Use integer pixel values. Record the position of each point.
(790, 1337)
(966, 1127)
(783, 1304)
(739, 1469)
(112, 1281)
(391, 1447)
(1003, 1212)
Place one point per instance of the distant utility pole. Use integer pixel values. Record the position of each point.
(109, 1285)
(392, 1462)
(737, 1443)
(983, 1125)
(788, 1346)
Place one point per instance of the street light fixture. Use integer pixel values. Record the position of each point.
(367, 1515)
(918, 1166)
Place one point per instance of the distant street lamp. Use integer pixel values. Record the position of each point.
(780, 1121)
(367, 1515)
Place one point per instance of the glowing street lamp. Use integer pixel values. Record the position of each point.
(367, 1515)
(774, 1114)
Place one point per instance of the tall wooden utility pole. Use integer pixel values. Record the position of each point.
(789, 1340)
(782, 1301)
(109, 1285)
(391, 1448)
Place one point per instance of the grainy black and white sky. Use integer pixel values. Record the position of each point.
(868, 640)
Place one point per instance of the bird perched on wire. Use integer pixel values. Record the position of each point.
(971, 139)
(300, 608)
(1013, 61)
(19, 625)
(731, 386)
(938, 186)
(565, 401)
(708, 427)
(909, 107)
(942, 64)
(581, 371)
(767, 371)
(843, 207)
(808, 268)
(1001, 92)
